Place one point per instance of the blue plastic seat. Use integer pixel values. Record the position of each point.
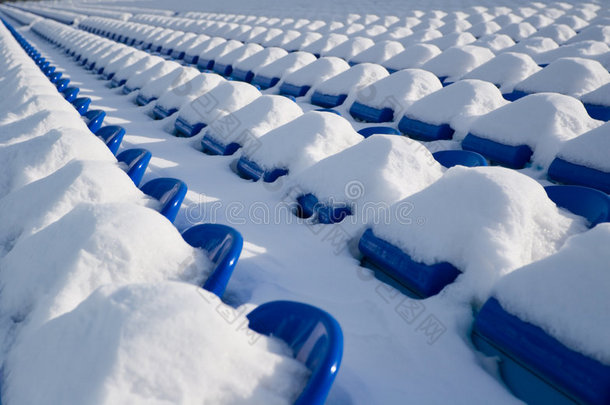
(423, 131)
(223, 246)
(160, 112)
(191, 59)
(115, 82)
(534, 365)
(94, 119)
(48, 71)
(398, 269)
(112, 135)
(213, 147)
(329, 110)
(70, 93)
(250, 170)
(242, 75)
(264, 82)
(450, 158)
(107, 75)
(566, 172)
(584, 201)
(314, 336)
(515, 157)
(137, 161)
(170, 192)
(327, 100)
(55, 77)
(368, 131)
(205, 64)
(223, 69)
(369, 114)
(599, 112)
(186, 129)
(127, 89)
(62, 84)
(81, 104)
(515, 95)
(177, 54)
(143, 100)
(288, 89)
(308, 204)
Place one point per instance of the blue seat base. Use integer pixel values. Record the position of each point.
(327, 100)
(82, 104)
(70, 94)
(127, 89)
(212, 147)
(308, 204)
(242, 75)
(250, 170)
(205, 64)
(142, 100)
(112, 135)
(265, 82)
(117, 83)
(515, 95)
(450, 158)
(94, 119)
(599, 112)
(137, 161)
(183, 128)
(222, 69)
(421, 279)
(584, 201)
(108, 75)
(368, 131)
(191, 59)
(176, 54)
(570, 173)
(515, 157)
(423, 131)
(160, 112)
(287, 89)
(535, 366)
(369, 114)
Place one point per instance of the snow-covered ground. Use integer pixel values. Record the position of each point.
(98, 296)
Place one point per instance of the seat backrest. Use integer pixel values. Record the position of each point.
(94, 119)
(137, 161)
(368, 131)
(450, 158)
(112, 136)
(170, 192)
(314, 336)
(588, 202)
(223, 245)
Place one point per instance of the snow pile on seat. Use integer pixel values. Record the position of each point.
(316, 72)
(168, 82)
(151, 343)
(223, 99)
(304, 141)
(150, 75)
(254, 120)
(600, 96)
(569, 76)
(413, 56)
(566, 294)
(189, 91)
(142, 65)
(502, 218)
(455, 62)
(378, 53)
(543, 121)
(505, 70)
(457, 104)
(589, 149)
(352, 80)
(286, 64)
(381, 169)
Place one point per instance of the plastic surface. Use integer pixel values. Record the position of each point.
(160, 112)
(450, 158)
(309, 204)
(212, 147)
(70, 93)
(327, 100)
(515, 95)
(223, 246)
(535, 366)
(242, 75)
(81, 104)
(117, 83)
(369, 114)
(566, 172)
(314, 336)
(287, 89)
(584, 201)
(421, 279)
(142, 100)
(62, 84)
(599, 112)
(250, 170)
(515, 157)
(94, 119)
(264, 82)
(423, 131)
(368, 131)
(137, 161)
(170, 192)
(222, 69)
(112, 136)
(205, 64)
(184, 128)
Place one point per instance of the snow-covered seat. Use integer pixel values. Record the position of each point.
(384, 99)
(207, 59)
(270, 75)
(224, 64)
(94, 119)
(584, 160)
(81, 104)
(548, 355)
(450, 158)
(245, 70)
(597, 103)
(112, 135)
(314, 336)
(435, 116)
(222, 245)
(299, 82)
(531, 127)
(453, 63)
(137, 160)
(170, 193)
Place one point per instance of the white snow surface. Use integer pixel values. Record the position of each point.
(506, 70)
(589, 149)
(189, 91)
